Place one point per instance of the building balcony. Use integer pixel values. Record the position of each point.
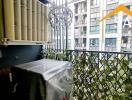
(126, 47)
(82, 10)
(80, 34)
(112, 1)
(81, 22)
(110, 48)
(94, 48)
(78, 1)
(94, 6)
(112, 21)
(80, 25)
(127, 32)
(82, 13)
(80, 46)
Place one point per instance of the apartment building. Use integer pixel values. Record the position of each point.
(112, 34)
(79, 25)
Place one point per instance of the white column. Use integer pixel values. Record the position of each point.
(88, 24)
(72, 27)
(119, 29)
(102, 26)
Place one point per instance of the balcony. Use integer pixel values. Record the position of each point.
(80, 46)
(127, 47)
(110, 48)
(81, 22)
(78, 1)
(94, 48)
(80, 7)
(112, 1)
(98, 75)
(127, 32)
(80, 34)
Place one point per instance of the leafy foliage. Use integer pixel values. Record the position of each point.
(102, 77)
(54, 54)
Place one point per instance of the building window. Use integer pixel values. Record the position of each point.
(69, 43)
(94, 19)
(84, 42)
(111, 28)
(111, 6)
(94, 2)
(94, 29)
(111, 23)
(95, 10)
(76, 20)
(111, 1)
(112, 19)
(76, 8)
(94, 42)
(95, 15)
(84, 30)
(81, 7)
(125, 39)
(80, 42)
(110, 42)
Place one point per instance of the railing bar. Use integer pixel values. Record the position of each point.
(103, 52)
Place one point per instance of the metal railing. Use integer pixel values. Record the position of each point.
(98, 75)
(94, 48)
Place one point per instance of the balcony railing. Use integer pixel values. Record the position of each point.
(98, 75)
(81, 22)
(126, 47)
(110, 48)
(80, 34)
(94, 48)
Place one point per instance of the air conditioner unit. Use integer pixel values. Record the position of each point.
(24, 20)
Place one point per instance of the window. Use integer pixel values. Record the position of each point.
(111, 28)
(125, 39)
(94, 2)
(94, 19)
(95, 15)
(95, 10)
(112, 19)
(76, 8)
(94, 42)
(94, 23)
(80, 42)
(69, 43)
(94, 29)
(110, 42)
(111, 6)
(84, 7)
(85, 28)
(81, 7)
(84, 20)
(76, 41)
(84, 41)
(111, 0)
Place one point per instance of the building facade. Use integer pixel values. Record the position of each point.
(112, 34)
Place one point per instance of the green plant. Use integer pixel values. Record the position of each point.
(107, 79)
(52, 54)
